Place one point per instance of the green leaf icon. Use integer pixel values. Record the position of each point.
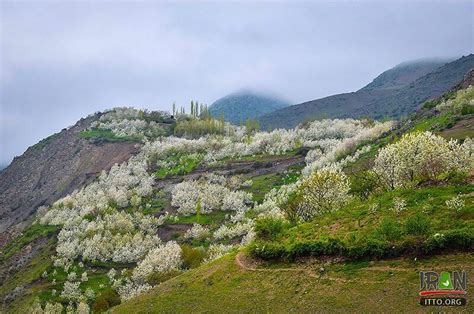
(445, 282)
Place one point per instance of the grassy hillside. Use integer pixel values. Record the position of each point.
(363, 254)
(234, 286)
(364, 257)
(388, 96)
(238, 107)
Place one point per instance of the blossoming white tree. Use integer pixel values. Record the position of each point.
(420, 157)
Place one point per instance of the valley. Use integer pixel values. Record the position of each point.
(187, 213)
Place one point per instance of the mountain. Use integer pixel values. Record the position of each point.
(295, 265)
(405, 73)
(244, 105)
(53, 168)
(395, 93)
(195, 259)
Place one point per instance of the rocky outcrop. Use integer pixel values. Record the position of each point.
(53, 168)
(467, 81)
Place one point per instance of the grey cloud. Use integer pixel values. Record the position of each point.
(63, 60)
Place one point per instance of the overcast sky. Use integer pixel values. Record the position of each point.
(60, 61)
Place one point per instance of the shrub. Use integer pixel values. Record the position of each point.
(430, 104)
(372, 247)
(456, 203)
(105, 301)
(328, 246)
(159, 277)
(267, 250)
(417, 225)
(389, 229)
(324, 191)
(419, 157)
(364, 184)
(467, 109)
(269, 228)
(291, 206)
(192, 257)
(461, 239)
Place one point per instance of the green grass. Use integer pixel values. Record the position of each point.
(32, 233)
(310, 287)
(355, 228)
(156, 206)
(214, 218)
(435, 123)
(183, 165)
(107, 136)
(41, 144)
(263, 184)
(28, 277)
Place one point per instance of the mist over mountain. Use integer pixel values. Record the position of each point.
(246, 104)
(395, 93)
(405, 73)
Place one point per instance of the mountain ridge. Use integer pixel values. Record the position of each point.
(374, 103)
(53, 168)
(245, 104)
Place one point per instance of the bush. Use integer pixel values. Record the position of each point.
(460, 239)
(417, 225)
(430, 104)
(389, 230)
(105, 301)
(269, 228)
(420, 157)
(159, 277)
(364, 184)
(192, 257)
(267, 250)
(370, 248)
(328, 246)
(467, 109)
(324, 191)
(291, 207)
(367, 247)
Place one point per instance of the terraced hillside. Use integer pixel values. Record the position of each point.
(199, 223)
(365, 257)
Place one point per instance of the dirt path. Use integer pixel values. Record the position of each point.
(247, 264)
(246, 168)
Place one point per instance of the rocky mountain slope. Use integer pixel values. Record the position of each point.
(393, 94)
(54, 168)
(405, 73)
(240, 106)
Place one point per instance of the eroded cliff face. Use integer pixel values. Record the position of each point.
(53, 168)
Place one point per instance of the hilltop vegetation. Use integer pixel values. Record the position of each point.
(306, 208)
(342, 257)
(241, 106)
(125, 221)
(394, 94)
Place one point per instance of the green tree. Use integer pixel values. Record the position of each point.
(198, 210)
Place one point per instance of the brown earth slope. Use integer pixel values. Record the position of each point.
(53, 168)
